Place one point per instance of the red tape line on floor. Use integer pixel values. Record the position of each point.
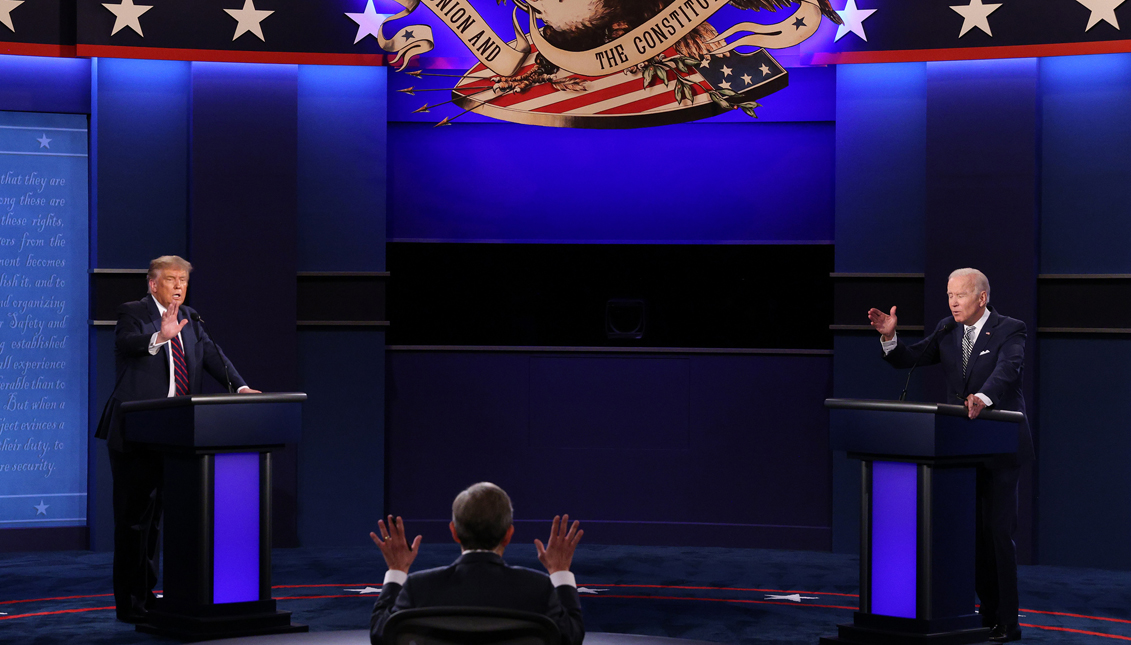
(1078, 631)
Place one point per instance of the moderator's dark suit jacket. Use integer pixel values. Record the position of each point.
(142, 375)
(994, 368)
(482, 579)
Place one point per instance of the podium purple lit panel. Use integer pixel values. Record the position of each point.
(236, 528)
(894, 536)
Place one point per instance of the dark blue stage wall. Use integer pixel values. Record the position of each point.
(1017, 167)
(262, 173)
(656, 446)
(255, 174)
(1085, 501)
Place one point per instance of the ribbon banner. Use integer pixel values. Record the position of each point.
(643, 43)
(467, 24)
(665, 29)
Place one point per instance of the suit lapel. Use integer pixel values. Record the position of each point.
(980, 343)
(154, 313)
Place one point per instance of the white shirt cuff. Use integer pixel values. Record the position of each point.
(985, 399)
(889, 345)
(392, 576)
(563, 578)
(154, 346)
(242, 388)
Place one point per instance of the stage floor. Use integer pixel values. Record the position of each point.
(630, 596)
(361, 637)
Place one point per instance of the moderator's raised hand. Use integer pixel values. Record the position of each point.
(398, 554)
(883, 323)
(170, 326)
(557, 554)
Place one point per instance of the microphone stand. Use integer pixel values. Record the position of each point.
(934, 337)
(231, 390)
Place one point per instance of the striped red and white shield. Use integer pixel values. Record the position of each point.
(616, 101)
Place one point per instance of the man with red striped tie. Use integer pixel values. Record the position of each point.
(161, 349)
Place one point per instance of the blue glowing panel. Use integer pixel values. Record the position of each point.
(44, 84)
(142, 129)
(235, 576)
(342, 142)
(43, 319)
(695, 183)
(881, 122)
(894, 535)
(1084, 189)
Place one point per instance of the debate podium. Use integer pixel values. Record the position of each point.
(917, 525)
(216, 450)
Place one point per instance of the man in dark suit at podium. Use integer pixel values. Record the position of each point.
(982, 355)
(481, 524)
(160, 350)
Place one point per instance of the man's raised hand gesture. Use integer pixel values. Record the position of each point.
(557, 554)
(883, 323)
(398, 554)
(170, 326)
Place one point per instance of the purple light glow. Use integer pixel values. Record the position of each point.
(235, 574)
(894, 535)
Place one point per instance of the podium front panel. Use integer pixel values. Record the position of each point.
(235, 529)
(894, 514)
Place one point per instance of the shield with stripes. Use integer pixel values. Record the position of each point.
(633, 98)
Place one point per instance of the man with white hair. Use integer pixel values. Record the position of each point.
(982, 355)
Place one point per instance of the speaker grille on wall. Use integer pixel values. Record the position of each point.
(624, 318)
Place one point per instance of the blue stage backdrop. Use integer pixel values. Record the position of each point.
(43, 304)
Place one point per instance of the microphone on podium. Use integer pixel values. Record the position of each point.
(196, 318)
(950, 324)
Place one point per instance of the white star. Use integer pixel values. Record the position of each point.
(853, 21)
(44, 141)
(725, 85)
(365, 590)
(6, 7)
(127, 14)
(704, 65)
(977, 15)
(368, 22)
(726, 70)
(746, 77)
(1101, 10)
(42, 508)
(796, 597)
(248, 19)
(764, 69)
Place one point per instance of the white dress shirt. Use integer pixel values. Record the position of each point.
(155, 347)
(395, 576)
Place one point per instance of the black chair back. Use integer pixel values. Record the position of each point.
(469, 626)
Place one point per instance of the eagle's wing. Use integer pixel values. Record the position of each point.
(774, 5)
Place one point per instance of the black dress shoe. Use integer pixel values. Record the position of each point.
(1003, 634)
(134, 617)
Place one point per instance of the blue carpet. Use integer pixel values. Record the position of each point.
(719, 595)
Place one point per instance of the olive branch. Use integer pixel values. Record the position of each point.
(682, 66)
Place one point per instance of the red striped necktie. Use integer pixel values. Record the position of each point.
(180, 368)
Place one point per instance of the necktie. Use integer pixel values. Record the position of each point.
(180, 369)
(967, 345)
